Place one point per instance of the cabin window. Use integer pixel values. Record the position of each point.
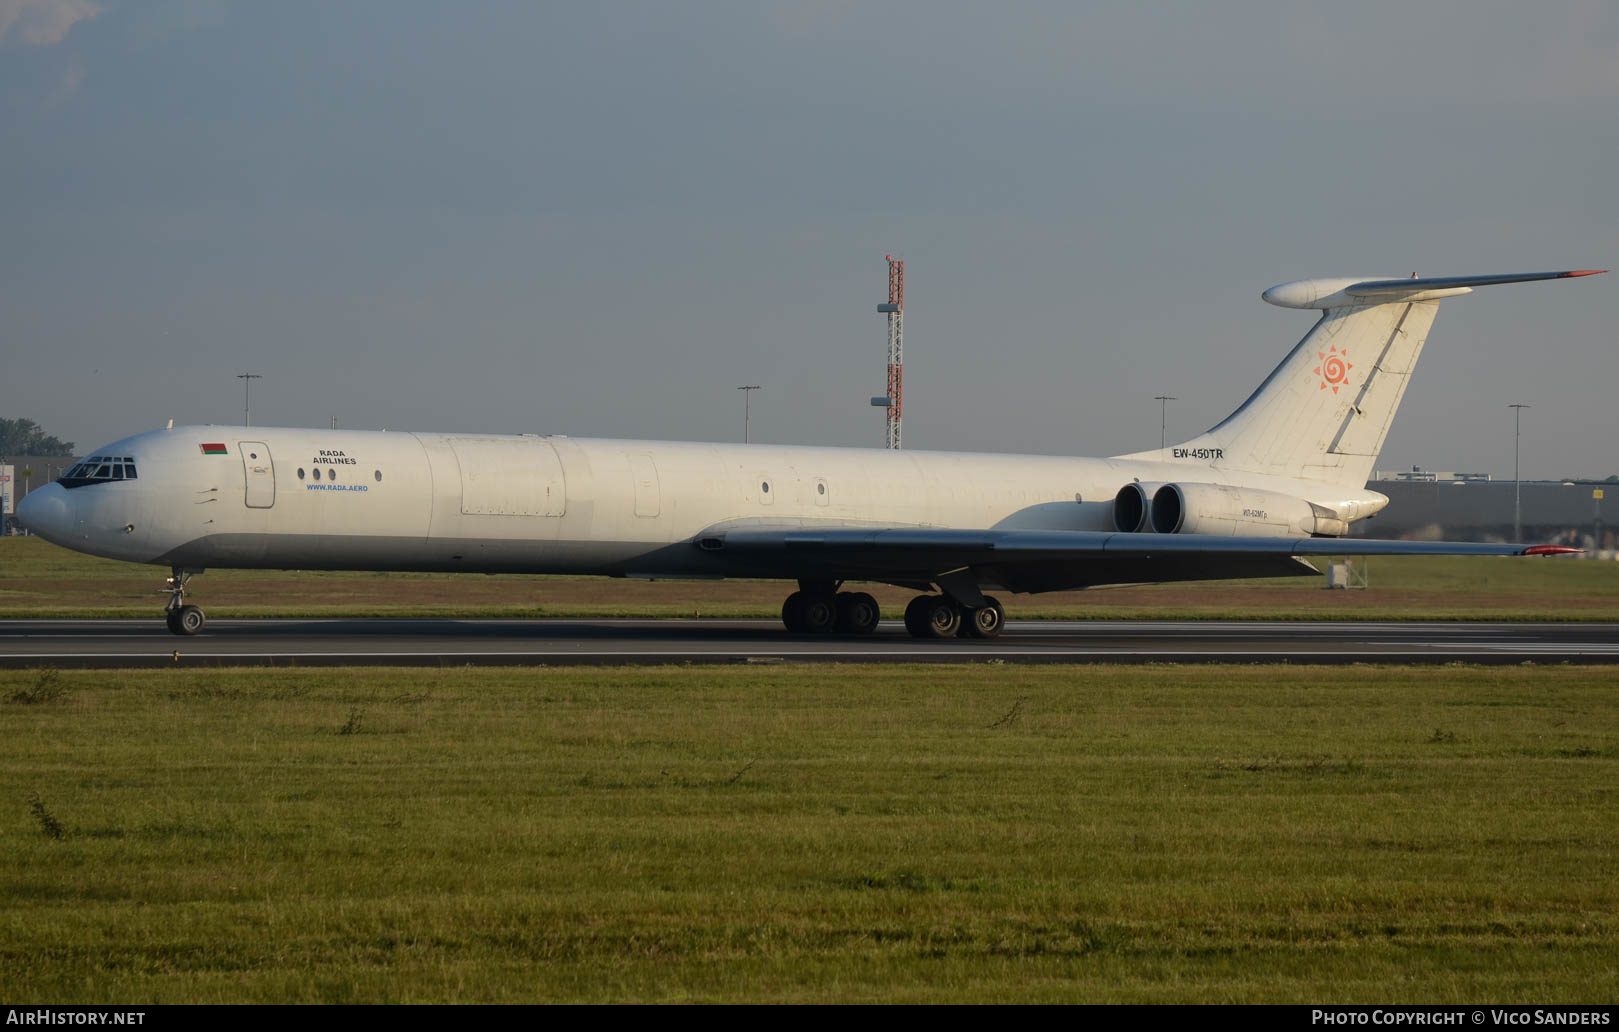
(379, 476)
(300, 472)
(331, 474)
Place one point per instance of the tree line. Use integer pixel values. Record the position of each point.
(26, 437)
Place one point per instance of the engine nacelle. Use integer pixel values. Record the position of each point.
(1132, 506)
(1238, 511)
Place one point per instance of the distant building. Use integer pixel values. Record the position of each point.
(1473, 507)
(1426, 475)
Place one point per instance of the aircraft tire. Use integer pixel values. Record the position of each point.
(820, 614)
(792, 613)
(858, 613)
(941, 617)
(986, 622)
(915, 623)
(188, 620)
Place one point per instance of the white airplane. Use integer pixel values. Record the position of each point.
(1281, 478)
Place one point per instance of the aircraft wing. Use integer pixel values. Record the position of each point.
(1048, 560)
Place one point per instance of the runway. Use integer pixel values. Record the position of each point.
(146, 643)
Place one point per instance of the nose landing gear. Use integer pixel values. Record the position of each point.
(181, 618)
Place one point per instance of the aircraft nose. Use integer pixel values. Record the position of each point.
(46, 512)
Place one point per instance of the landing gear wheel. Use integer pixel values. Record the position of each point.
(181, 618)
(804, 613)
(820, 614)
(858, 612)
(187, 620)
(986, 622)
(941, 617)
(792, 613)
(915, 622)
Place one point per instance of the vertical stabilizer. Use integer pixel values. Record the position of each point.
(1324, 412)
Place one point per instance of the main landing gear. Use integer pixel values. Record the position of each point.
(820, 608)
(940, 616)
(181, 618)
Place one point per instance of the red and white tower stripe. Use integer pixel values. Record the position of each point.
(895, 309)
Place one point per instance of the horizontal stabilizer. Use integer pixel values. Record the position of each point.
(1345, 291)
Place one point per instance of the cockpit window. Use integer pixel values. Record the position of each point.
(98, 469)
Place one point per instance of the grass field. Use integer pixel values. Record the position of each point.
(38, 579)
(790, 833)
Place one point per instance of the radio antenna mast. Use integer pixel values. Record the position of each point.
(895, 310)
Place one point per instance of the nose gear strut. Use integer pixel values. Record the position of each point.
(181, 618)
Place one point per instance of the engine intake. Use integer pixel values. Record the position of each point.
(1131, 507)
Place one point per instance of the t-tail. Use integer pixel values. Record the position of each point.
(1324, 412)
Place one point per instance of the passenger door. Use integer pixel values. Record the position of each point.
(260, 473)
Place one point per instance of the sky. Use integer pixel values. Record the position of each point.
(599, 219)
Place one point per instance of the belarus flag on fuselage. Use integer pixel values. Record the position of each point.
(213, 449)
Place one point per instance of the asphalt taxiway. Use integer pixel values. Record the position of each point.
(147, 643)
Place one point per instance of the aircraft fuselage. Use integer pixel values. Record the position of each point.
(259, 497)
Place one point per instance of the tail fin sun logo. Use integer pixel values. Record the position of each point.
(1334, 368)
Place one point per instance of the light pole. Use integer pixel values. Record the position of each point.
(247, 384)
(747, 398)
(1517, 484)
(1163, 415)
